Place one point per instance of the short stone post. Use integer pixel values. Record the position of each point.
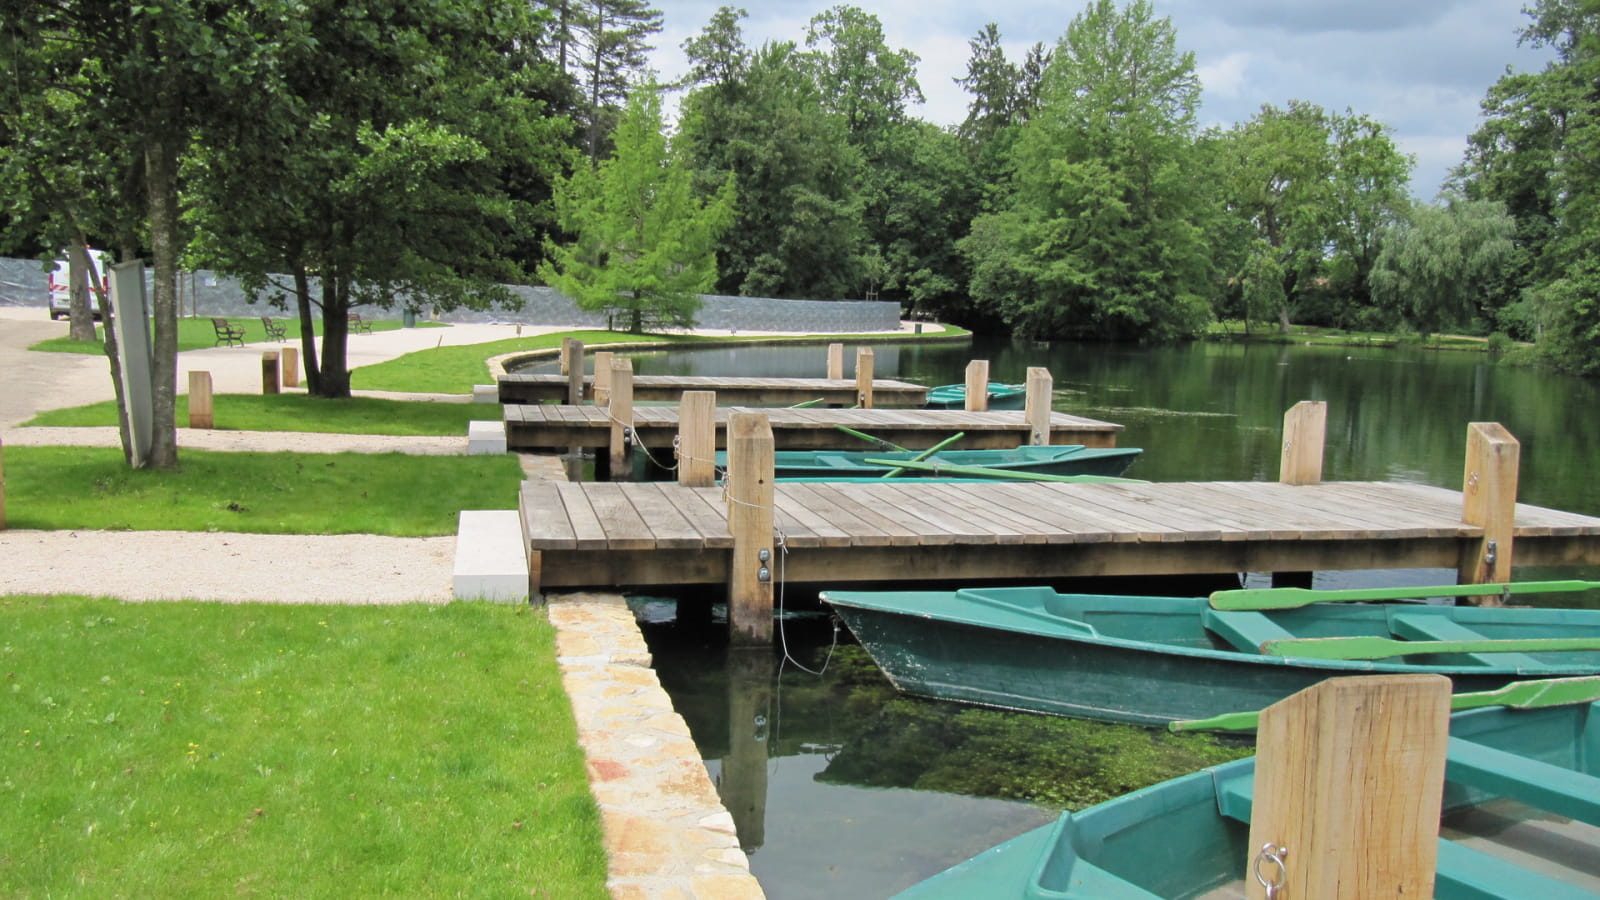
(836, 362)
(269, 372)
(1489, 500)
(602, 376)
(200, 407)
(1348, 787)
(621, 414)
(290, 357)
(1305, 429)
(864, 377)
(1037, 412)
(750, 503)
(572, 367)
(978, 386)
(697, 439)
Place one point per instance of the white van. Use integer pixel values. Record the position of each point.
(61, 286)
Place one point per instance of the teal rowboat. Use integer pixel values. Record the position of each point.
(1522, 819)
(1151, 660)
(1060, 459)
(1001, 396)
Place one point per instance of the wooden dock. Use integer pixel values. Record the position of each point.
(528, 388)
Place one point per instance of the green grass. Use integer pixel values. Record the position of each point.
(211, 750)
(254, 493)
(195, 333)
(1267, 333)
(299, 412)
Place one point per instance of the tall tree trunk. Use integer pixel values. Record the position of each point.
(161, 173)
(335, 381)
(308, 329)
(84, 279)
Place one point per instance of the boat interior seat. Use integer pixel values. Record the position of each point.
(1245, 630)
(1415, 626)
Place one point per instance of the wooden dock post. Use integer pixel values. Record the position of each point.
(602, 377)
(290, 357)
(1305, 430)
(864, 377)
(743, 785)
(697, 439)
(269, 372)
(836, 362)
(978, 385)
(1349, 783)
(621, 413)
(572, 367)
(1041, 388)
(750, 505)
(200, 400)
(1489, 500)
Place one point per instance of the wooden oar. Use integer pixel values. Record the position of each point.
(1293, 598)
(926, 453)
(1383, 648)
(986, 472)
(880, 442)
(1517, 695)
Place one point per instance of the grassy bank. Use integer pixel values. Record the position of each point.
(195, 333)
(255, 493)
(299, 412)
(207, 750)
(1338, 337)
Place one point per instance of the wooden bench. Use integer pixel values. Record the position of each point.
(1244, 629)
(1416, 626)
(226, 333)
(357, 324)
(275, 330)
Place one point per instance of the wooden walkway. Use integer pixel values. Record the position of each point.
(529, 388)
(615, 535)
(539, 427)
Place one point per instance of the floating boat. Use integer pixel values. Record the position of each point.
(1521, 819)
(1152, 660)
(1001, 396)
(1060, 459)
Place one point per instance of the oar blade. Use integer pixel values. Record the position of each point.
(1347, 648)
(1294, 598)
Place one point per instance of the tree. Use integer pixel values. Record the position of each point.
(1367, 197)
(858, 75)
(645, 245)
(1433, 268)
(607, 52)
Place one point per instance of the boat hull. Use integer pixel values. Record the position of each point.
(1051, 460)
(1001, 396)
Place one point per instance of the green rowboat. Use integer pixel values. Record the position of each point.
(1001, 396)
(1061, 459)
(1522, 816)
(1152, 660)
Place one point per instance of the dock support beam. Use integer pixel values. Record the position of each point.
(836, 362)
(1489, 500)
(572, 367)
(1305, 430)
(620, 410)
(697, 439)
(1349, 783)
(200, 407)
(750, 504)
(978, 385)
(1041, 388)
(602, 377)
(864, 377)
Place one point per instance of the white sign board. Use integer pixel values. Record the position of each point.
(130, 317)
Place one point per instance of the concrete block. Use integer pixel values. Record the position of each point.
(485, 438)
(491, 561)
(486, 393)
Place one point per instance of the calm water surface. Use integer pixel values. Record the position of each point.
(842, 790)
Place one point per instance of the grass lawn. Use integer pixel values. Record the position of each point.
(195, 333)
(255, 493)
(211, 750)
(299, 412)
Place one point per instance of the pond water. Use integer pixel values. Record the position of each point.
(843, 789)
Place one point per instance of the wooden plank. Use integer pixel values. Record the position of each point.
(625, 528)
(669, 526)
(1135, 516)
(870, 516)
(1305, 428)
(1274, 521)
(707, 508)
(586, 525)
(819, 530)
(939, 524)
(1052, 512)
(1007, 528)
(544, 523)
(864, 528)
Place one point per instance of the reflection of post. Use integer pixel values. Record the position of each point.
(744, 769)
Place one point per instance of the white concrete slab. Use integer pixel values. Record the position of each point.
(486, 393)
(485, 438)
(491, 560)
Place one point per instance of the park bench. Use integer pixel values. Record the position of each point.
(358, 325)
(275, 331)
(226, 333)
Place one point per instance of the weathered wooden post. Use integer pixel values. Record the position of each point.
(978, 386)
(1348, 787)
(743, 785)
(836, 362)
(200, 408)
(1305, 429)
(620, 410)
(750, 502)
(697, 439)
(602, 376)
(1489, 500)
(1037, 414)
(290, 357)
(572, 367)
(864, 377)
(269, 372)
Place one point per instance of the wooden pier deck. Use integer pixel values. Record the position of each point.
(548, 428)
(530, 388)
(615, 535)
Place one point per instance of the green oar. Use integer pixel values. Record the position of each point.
(807, 404)
(1294, 598)
(986, 472)
(1517, 695)
(1383, 648)
(872, 440)
(927, 453)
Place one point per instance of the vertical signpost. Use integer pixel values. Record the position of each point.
(130, 320)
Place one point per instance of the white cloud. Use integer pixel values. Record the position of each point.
(1225, 77)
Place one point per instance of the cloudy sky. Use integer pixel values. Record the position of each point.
(1419, 66)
